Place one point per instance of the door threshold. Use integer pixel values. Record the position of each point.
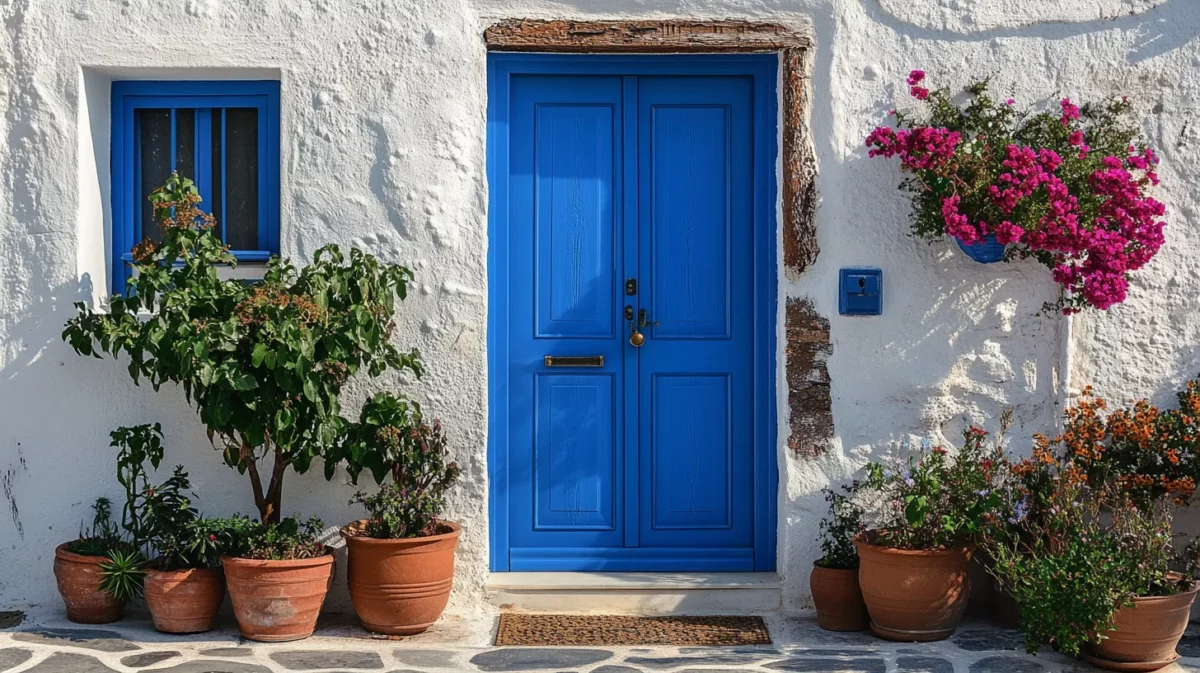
(636, 593)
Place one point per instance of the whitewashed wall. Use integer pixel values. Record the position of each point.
(383, 147)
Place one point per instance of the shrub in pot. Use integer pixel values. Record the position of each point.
(1091, 568)
(278, 575)
(401, 557)
(264, 363)
(913, 564)
(79, 566)
(834, 579)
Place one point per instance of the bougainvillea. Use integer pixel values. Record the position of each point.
(1067, 187)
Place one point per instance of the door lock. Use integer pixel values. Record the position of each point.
(636, 338)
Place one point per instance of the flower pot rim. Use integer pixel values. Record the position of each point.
(862, 541)
(61, 552)
(347, 534)
(1172, 597)
(150, 570)
(324, 559)
(817, 564)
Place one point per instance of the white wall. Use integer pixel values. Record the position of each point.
(383, 146)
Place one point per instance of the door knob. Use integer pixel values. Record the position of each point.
(636, 338)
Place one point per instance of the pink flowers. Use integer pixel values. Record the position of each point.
(1080, 209)
(914, 78)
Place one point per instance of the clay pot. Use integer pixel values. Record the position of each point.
(913, 595)
(1146, 634)
(79, 584)
(184, 601)
(838, 599)
(399, 587)
(277, 601)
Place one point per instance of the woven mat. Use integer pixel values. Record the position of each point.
(579, 630)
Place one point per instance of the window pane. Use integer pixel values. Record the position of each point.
(154, 138)
(213, 201)
(241, 173)
(185, 142)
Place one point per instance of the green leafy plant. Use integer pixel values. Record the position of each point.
(838, 529)
(123, 574)
(1071, 565)
(288, 539)
(103, 537)
(137, 445)
(264, 364)
(393, 439)
(933, 500)
(173, 530)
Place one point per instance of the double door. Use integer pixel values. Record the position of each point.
(630, 324)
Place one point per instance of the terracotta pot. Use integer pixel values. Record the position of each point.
(399, 587)
(184, 601)
(277, 601)
(838, 599)
(913, 595)
(1146, 633)
(79, 584)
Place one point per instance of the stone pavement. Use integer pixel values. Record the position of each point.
(456, 644)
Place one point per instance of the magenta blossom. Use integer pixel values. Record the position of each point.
(915, 77)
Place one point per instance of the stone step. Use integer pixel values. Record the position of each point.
(636, 593)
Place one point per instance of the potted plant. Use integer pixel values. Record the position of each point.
(264, 363)
(834, 578)
(79, 569)
(1093, 575)
(1067, 187)
(913, 564)
(401, 557)
(278, 575)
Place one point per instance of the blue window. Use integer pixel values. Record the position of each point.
(222, 135)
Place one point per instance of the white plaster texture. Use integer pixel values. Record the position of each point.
(383, 146)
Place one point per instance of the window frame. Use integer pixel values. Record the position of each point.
(132, 95)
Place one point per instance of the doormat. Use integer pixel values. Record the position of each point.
(579, 630)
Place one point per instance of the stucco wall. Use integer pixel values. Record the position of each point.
(383, 146)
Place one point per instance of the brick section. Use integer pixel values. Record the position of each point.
(641, 36)
(799, 166)
(799, 169)
(808, 348)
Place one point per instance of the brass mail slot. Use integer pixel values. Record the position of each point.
(574, 360)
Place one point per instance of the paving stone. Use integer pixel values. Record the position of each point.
(213, 666)
(923, 665)
(308, 660)
(982, 640)
(69, 662)
(709, 660)
(89, 639)
(11, 657)
(834, 653)
(1006, 665)
(822, 665)
(616, 669)
(534, 658)
(1189, 646)
(147, 659)
(228, 652)
(426, 658)
(11, 619)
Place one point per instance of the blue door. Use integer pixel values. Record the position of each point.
(632, 313)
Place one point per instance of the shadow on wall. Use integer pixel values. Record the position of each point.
(1160, 29)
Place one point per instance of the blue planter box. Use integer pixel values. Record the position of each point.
(987, 251)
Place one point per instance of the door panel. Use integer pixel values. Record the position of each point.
(636, 459)
(696, 379)
(566, 461)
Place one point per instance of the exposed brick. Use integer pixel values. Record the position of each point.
(808, 349)
(641, 36)
(799, 169)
